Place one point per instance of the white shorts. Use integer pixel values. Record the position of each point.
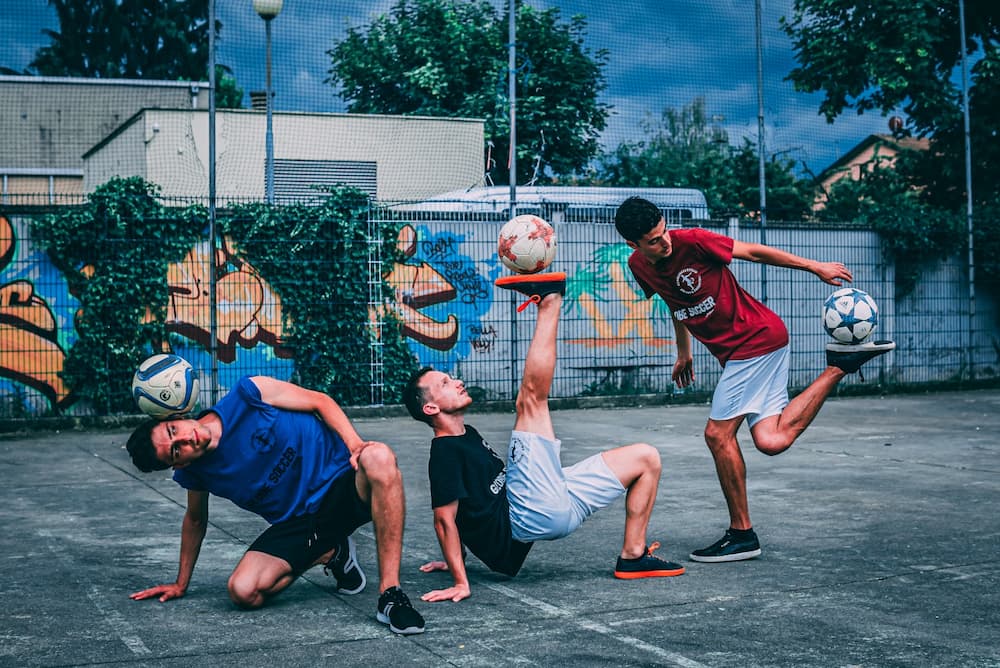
(757, 388)
(548, 501)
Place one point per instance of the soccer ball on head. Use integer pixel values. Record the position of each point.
(165, 386)
(850, 316)
(527, 244)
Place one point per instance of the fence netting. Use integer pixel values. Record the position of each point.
(342, 192)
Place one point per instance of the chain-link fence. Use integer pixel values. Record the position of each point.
(262, 270)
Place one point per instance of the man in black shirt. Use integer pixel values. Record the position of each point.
(498, 511)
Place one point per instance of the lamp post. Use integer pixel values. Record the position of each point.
(267, 10)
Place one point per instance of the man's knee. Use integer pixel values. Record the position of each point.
(649, 457)
(378, 462)
(718, 438)
(771, 443)
(244, 592)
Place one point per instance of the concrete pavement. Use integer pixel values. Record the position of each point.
(880, 530)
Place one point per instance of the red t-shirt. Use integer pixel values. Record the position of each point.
(703, 294)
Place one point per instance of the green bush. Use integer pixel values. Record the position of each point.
(320, 270)
(114, 252)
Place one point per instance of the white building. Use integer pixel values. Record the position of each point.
(392, 158)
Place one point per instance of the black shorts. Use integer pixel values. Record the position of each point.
(302, 540)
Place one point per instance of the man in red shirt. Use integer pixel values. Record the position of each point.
(689, 269)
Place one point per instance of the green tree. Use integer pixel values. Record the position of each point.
(913, 232)
(686, 149)
(904, 56)
(138, 39)
(449, 58)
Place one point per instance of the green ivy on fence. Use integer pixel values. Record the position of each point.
(115, 250)
(316, 258)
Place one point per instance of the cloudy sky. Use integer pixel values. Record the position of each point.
(661, 54)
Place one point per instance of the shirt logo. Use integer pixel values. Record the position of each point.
(688, 281)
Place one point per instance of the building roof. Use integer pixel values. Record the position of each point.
(49, 123)
(896, 144)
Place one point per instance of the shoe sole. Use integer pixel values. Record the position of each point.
(413, 630)
(352, 556)
(635, 575)
(870, 347)
(551, 277)
(738, 556)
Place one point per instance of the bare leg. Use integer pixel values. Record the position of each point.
(720, 435)
(638, 468)
(539, 367)
(775, 434)
(380, 482)
(258, 577)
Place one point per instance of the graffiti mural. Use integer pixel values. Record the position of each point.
(248, 310)
(30, 352)
(603, 282)
(37, 312)
(439, 296)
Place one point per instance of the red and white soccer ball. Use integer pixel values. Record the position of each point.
(527, 244)
(850, 315)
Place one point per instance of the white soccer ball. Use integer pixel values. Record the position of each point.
(850, 315)
(527, 244)
(165, 386)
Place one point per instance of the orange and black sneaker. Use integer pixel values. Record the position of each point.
(646, 566)
(534, 286)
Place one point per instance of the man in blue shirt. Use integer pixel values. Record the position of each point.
(293, 457)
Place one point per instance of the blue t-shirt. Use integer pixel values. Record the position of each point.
(273, 462)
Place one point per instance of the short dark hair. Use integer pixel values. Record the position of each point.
(140, 448)
(413, 396)
(636, 217)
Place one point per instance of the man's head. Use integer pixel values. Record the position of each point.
(158, 445)
(430, 393)
(140, 448)
(642, 225)
(636, 217)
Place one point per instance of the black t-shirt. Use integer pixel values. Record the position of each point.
(465, 469)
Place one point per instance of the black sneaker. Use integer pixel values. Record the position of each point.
(534, 286)
(395, 610)
(646, 566)
(849, 358)
(343, 566)
(731, 547)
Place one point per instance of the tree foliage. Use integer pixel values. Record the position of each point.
(904, 56)
(450, 58)
(317, 270)
(137, 39)
(683, 148)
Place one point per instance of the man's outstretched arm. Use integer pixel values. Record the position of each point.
(193, 530)
(833, 273)
(451, 547)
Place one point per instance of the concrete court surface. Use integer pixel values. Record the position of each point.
(880, 530)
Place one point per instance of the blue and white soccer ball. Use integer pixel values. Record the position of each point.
(850, 315)
(165, 386)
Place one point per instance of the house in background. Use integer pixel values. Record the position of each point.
(47, 124)
(874, 152)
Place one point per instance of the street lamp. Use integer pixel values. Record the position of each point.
(267, 10)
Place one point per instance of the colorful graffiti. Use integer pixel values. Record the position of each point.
(248, 312)
(33, 344)
(438, 296)
(608, 272)
(29, 338)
